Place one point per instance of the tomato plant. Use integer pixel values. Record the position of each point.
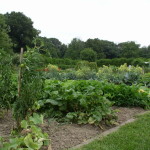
(30, 86)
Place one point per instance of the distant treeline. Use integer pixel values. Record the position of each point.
(16, 31)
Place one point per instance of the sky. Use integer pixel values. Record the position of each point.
(112, 20)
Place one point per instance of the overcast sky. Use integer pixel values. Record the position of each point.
(113, 20)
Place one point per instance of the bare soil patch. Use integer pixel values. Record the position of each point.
(6, 124)
(64, 136)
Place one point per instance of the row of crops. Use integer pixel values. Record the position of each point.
(82, 95)
(88, 101)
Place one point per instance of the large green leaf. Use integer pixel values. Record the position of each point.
(24, 124)
(30, 143)
(51, 101)
(14, 143)
(71, 115)
(36, 118)
(91, 120)
(37, 131)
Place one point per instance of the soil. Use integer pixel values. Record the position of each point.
(64, 136)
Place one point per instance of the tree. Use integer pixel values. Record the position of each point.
(74, 49)
(104, 48)
(96, 46)
(145, 52)
(148, 52)
(5, 41)
(50, 46)
(61, 48)
(128, 49)
(109, 49)
(88, 54)
(22, 31)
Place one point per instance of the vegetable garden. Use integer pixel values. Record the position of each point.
(82, 95)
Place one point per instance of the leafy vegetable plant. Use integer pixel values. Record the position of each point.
(88, 101)
(31, 137)
(76, 101)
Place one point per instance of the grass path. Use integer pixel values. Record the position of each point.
(133, 136)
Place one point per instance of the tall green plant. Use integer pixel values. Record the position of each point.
(7, 93)
(30, 86)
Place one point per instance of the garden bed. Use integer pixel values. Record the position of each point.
(64, 136)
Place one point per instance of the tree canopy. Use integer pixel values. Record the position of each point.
(88, 54)
(129, 49)
(74, 49)
(16, 31)
(53, 47)
(104, 49)
(5, 41)
(22, 31)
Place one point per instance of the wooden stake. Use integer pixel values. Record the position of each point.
(19, 75)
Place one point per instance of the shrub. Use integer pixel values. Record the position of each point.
(102, 62)
(51, 67)
(91, 65)
(145, 79)
(123, 74)
(85, 74)
(63, 67)
(88, 54)
(124, 95)
(121, 61)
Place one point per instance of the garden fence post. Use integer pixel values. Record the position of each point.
(19, 75)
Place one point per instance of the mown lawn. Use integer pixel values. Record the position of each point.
(133, 136)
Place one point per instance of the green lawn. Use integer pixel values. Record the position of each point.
(133, 136)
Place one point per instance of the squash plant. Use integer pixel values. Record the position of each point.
(76, 101)
(31, 137)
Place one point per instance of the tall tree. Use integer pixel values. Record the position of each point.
(61, 48)
(52, 46)
(96, 46)
(104, 48)
(22, 31)
(74, 49)
(145, 52)
(110, 49)
(48, 47)
(5, 41)
(129, 49)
